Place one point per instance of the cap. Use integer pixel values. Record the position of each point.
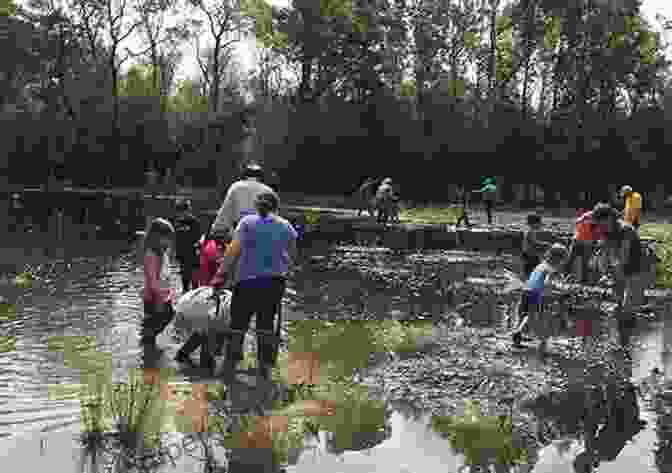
(626, 190)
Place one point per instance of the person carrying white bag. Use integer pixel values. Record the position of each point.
(206, 315)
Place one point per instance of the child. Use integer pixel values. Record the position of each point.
(531, 308)
(212, 249)
(158, 296)
(187, 230)
(533, 248)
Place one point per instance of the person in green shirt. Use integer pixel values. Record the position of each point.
(489, 191)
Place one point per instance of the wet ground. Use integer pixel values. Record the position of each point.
(466, 296)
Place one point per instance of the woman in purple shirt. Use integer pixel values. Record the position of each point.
(263, 245)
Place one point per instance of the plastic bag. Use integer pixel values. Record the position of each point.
(196, 310)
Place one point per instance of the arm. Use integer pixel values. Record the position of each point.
(293, 251)
(227, 213)
(230, 256)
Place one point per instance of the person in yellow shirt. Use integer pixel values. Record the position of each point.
(633, 206)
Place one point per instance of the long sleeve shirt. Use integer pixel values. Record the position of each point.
(239, 202)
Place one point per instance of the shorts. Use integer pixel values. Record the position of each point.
(529, 263)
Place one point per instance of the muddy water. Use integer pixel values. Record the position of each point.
(98, 297)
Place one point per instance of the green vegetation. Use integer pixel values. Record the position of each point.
(431, 214)
(662, 233)
(483, 440)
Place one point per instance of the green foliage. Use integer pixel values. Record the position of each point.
(7, 8)
(24, 280)
(407, 88)
(138, 82)
(482, 440)
(552, 31)
(662, 233)
(7, 344)
(187, 99)
(7, 311)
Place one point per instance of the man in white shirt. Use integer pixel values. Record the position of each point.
(239, 200)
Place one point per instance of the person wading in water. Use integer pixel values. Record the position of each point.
(240, 198)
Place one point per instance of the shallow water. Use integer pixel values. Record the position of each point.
(99, 297)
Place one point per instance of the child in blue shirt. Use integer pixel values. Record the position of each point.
(531, 308)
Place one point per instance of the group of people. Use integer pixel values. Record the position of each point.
(248, 248)
(620, 253)
(379, 200)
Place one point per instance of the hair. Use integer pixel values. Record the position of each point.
(159, 228)
(266, 202)
(534, 219)
(183, 205)
(253, 170)
(556, 253)
(603, 210)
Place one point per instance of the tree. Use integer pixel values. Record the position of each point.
(224, 26)
(163, 42)
(7, 8)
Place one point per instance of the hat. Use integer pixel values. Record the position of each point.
(557, 253)
(488, 180)
(626, 190)
(387, 180)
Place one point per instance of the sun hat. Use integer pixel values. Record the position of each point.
(556, 254)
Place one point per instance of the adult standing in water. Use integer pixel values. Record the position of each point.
(263, 246)
(384, 200)
(630, 274)
(632, 206)
(240, 198)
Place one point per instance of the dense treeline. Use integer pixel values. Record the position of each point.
(567, 95)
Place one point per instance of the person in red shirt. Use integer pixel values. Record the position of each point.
(585, 235)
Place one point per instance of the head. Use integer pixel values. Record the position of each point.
(253, 170)
(556, 255)
(266, 202)
(534, 221)
(221, 237)
(183, 205)
(605, 214)
(160, 235)
(626, 191)
(387, 181)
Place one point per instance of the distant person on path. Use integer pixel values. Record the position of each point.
(531, 310)
(187, 234)
(533, 247)
(633, 206)
(263, 246)
(365, 197)
(240, 198)
(463, 204)
(489, 191)
(158, 296)
(629, 273)
(384, 200)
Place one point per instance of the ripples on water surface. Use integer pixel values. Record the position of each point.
(98, 297)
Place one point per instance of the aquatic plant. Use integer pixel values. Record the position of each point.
(662, 233)
(483, 440)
